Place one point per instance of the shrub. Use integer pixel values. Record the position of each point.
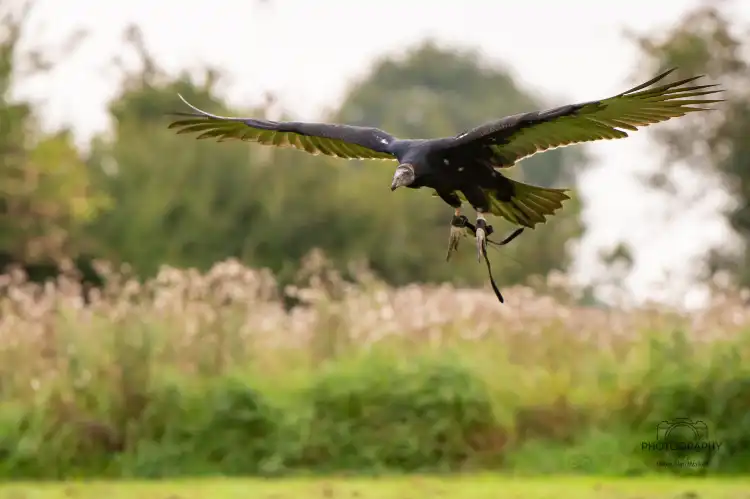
(426, 413)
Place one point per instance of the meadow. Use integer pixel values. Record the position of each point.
(202, 374)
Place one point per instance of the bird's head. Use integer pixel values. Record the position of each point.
(403, 176)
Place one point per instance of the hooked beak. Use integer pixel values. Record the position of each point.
(404, 175)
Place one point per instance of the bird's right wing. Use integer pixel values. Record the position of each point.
(508, 140)
(343, 141)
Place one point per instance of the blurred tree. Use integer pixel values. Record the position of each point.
(191, 203)
(433, 92)
(45, 191)
(715, 145)
(174, 201)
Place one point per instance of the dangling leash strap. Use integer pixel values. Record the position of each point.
(462, 221)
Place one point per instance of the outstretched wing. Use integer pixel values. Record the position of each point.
(343, 141)
(504, 142)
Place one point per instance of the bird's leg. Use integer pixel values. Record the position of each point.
(458, 224)
(482, 231)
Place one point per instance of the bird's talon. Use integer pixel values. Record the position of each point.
(459, 221)
(481, 238)
(481, 241)
(455, 237)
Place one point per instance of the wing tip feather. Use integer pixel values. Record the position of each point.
(203, 114)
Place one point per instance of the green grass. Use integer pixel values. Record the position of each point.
(474, 487)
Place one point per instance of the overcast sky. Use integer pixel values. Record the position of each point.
(307, 53)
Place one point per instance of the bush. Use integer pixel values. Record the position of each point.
(424, 414)
(195, 374)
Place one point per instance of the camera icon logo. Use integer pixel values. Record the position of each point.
(682, 429)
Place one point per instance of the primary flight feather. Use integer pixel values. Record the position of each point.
(343, 141)
(467, 167)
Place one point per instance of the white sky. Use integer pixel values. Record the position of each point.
(307, 53)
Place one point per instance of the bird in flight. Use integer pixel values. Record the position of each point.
(468, 167)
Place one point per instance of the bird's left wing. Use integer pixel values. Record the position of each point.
(504, 142)
(343, 141)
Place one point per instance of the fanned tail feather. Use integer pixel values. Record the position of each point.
(529, 205)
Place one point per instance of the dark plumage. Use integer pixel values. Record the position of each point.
(467, 167)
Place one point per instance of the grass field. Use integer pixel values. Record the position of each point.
(477, 487)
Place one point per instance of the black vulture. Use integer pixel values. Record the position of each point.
(467, 167)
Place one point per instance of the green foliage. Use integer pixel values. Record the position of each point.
(45, 191)
(426, 414)
(173, 201)
(130, 408)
